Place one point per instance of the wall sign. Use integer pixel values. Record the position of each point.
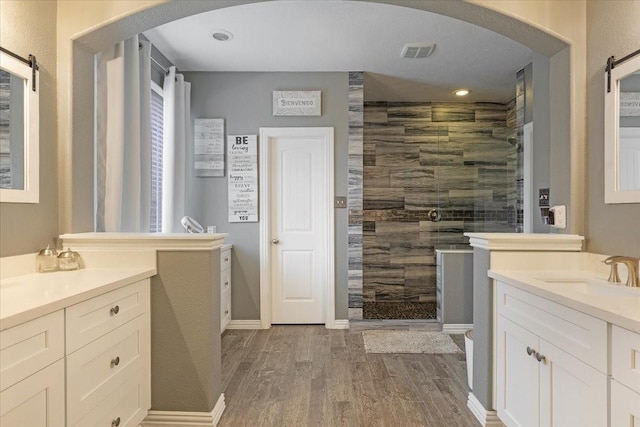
(297, 103)
(208, 147)
(630, 104)
(242, 155)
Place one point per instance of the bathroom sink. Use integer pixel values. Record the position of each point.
(594, 287)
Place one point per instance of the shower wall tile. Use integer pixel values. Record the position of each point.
(422, 156)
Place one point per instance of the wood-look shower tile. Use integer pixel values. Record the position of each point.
(454, 177)
(413, 253)
(469, 198)
(399, 155)
(383, 133)
(416, 177)
(425, 199)
(390, 228)
(487, 153)
(374, 275)
(420, 276)
(375, 115)
(444, 154)
(376, 254)
(383, 198)
(452, 112)
(390, 293)
(409, 112)
(443, 226)
(376, 176)
(490, 112)
(470, 135)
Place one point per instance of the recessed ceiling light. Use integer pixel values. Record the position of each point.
(222, 35)
(461, 92)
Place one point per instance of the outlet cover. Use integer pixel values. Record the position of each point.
(559, 216)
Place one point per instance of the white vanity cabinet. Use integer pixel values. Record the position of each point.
(225, 287)
(32, 373)
(108, 353)
(551, 362)
(625, 377)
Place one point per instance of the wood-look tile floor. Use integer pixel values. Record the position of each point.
(312, 376)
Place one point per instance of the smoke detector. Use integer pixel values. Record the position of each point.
(417, 50)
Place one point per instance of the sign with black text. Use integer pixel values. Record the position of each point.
(242, 172)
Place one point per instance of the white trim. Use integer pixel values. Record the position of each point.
(157, 241)
(456, 328)
(265, 218)
(339, 324)
(526, 241)
(31, 174)
(486, 418)
(185, 419)
(245, 324)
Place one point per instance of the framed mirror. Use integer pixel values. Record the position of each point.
(622, 131)
(19, 131)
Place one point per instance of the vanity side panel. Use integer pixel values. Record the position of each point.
(482, 329)
(185, 331)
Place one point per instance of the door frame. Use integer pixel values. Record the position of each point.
(264, 157)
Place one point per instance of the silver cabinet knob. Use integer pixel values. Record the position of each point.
(275, 241)
(116, 422)
(114, 310)
(540, 358)
(530, 351)
(115, 361)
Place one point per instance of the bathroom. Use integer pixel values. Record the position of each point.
(66, 202)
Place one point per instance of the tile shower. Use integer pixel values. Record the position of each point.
(454, 158)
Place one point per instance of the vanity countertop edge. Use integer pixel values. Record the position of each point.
(29, 296)
(620, 311)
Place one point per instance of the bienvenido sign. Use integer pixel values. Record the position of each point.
(297, 103)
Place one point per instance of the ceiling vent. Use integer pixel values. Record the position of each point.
(417, 50)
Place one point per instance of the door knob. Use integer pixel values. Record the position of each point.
(275, 241)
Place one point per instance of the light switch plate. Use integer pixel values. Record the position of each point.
(341, 202)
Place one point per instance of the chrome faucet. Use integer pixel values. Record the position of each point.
(633, 277)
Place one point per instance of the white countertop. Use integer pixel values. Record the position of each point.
(623, 311)
(28, 296)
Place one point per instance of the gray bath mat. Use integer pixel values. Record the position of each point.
(381, 341)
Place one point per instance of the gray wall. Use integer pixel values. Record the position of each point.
(185, 331)
(541, 135)
(611, 229)
(244, 100)
(29, 27)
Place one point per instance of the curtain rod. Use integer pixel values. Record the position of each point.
(159, 65)
(612, 62)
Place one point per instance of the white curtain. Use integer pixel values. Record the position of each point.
(123, 137)
(177, 133)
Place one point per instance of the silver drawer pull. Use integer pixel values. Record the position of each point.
(530, 351)
(540, 358)
(115, 310)
(115, 362)
(116, 422)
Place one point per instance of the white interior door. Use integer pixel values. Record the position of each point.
(300, 223)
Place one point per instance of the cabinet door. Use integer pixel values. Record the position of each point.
(625, 406)
(36, 401)
(572, 393)
(517, 376)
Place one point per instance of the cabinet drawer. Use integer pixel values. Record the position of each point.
(93, 318)
(225, 258)
(29, 347)
(126, 406)
(225, 280)
(625, 406)
(579, 334)
(625, 357)
(98, 369)
(37, 401)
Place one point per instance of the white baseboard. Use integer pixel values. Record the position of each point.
(185, 419)
(338, 324)
(245, 324)
(456, 328)
(486, 418)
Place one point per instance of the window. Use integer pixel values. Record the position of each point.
(157, 124)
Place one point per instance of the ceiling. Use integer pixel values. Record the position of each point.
(308, 35)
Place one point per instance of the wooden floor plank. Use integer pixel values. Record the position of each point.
(302, 376)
